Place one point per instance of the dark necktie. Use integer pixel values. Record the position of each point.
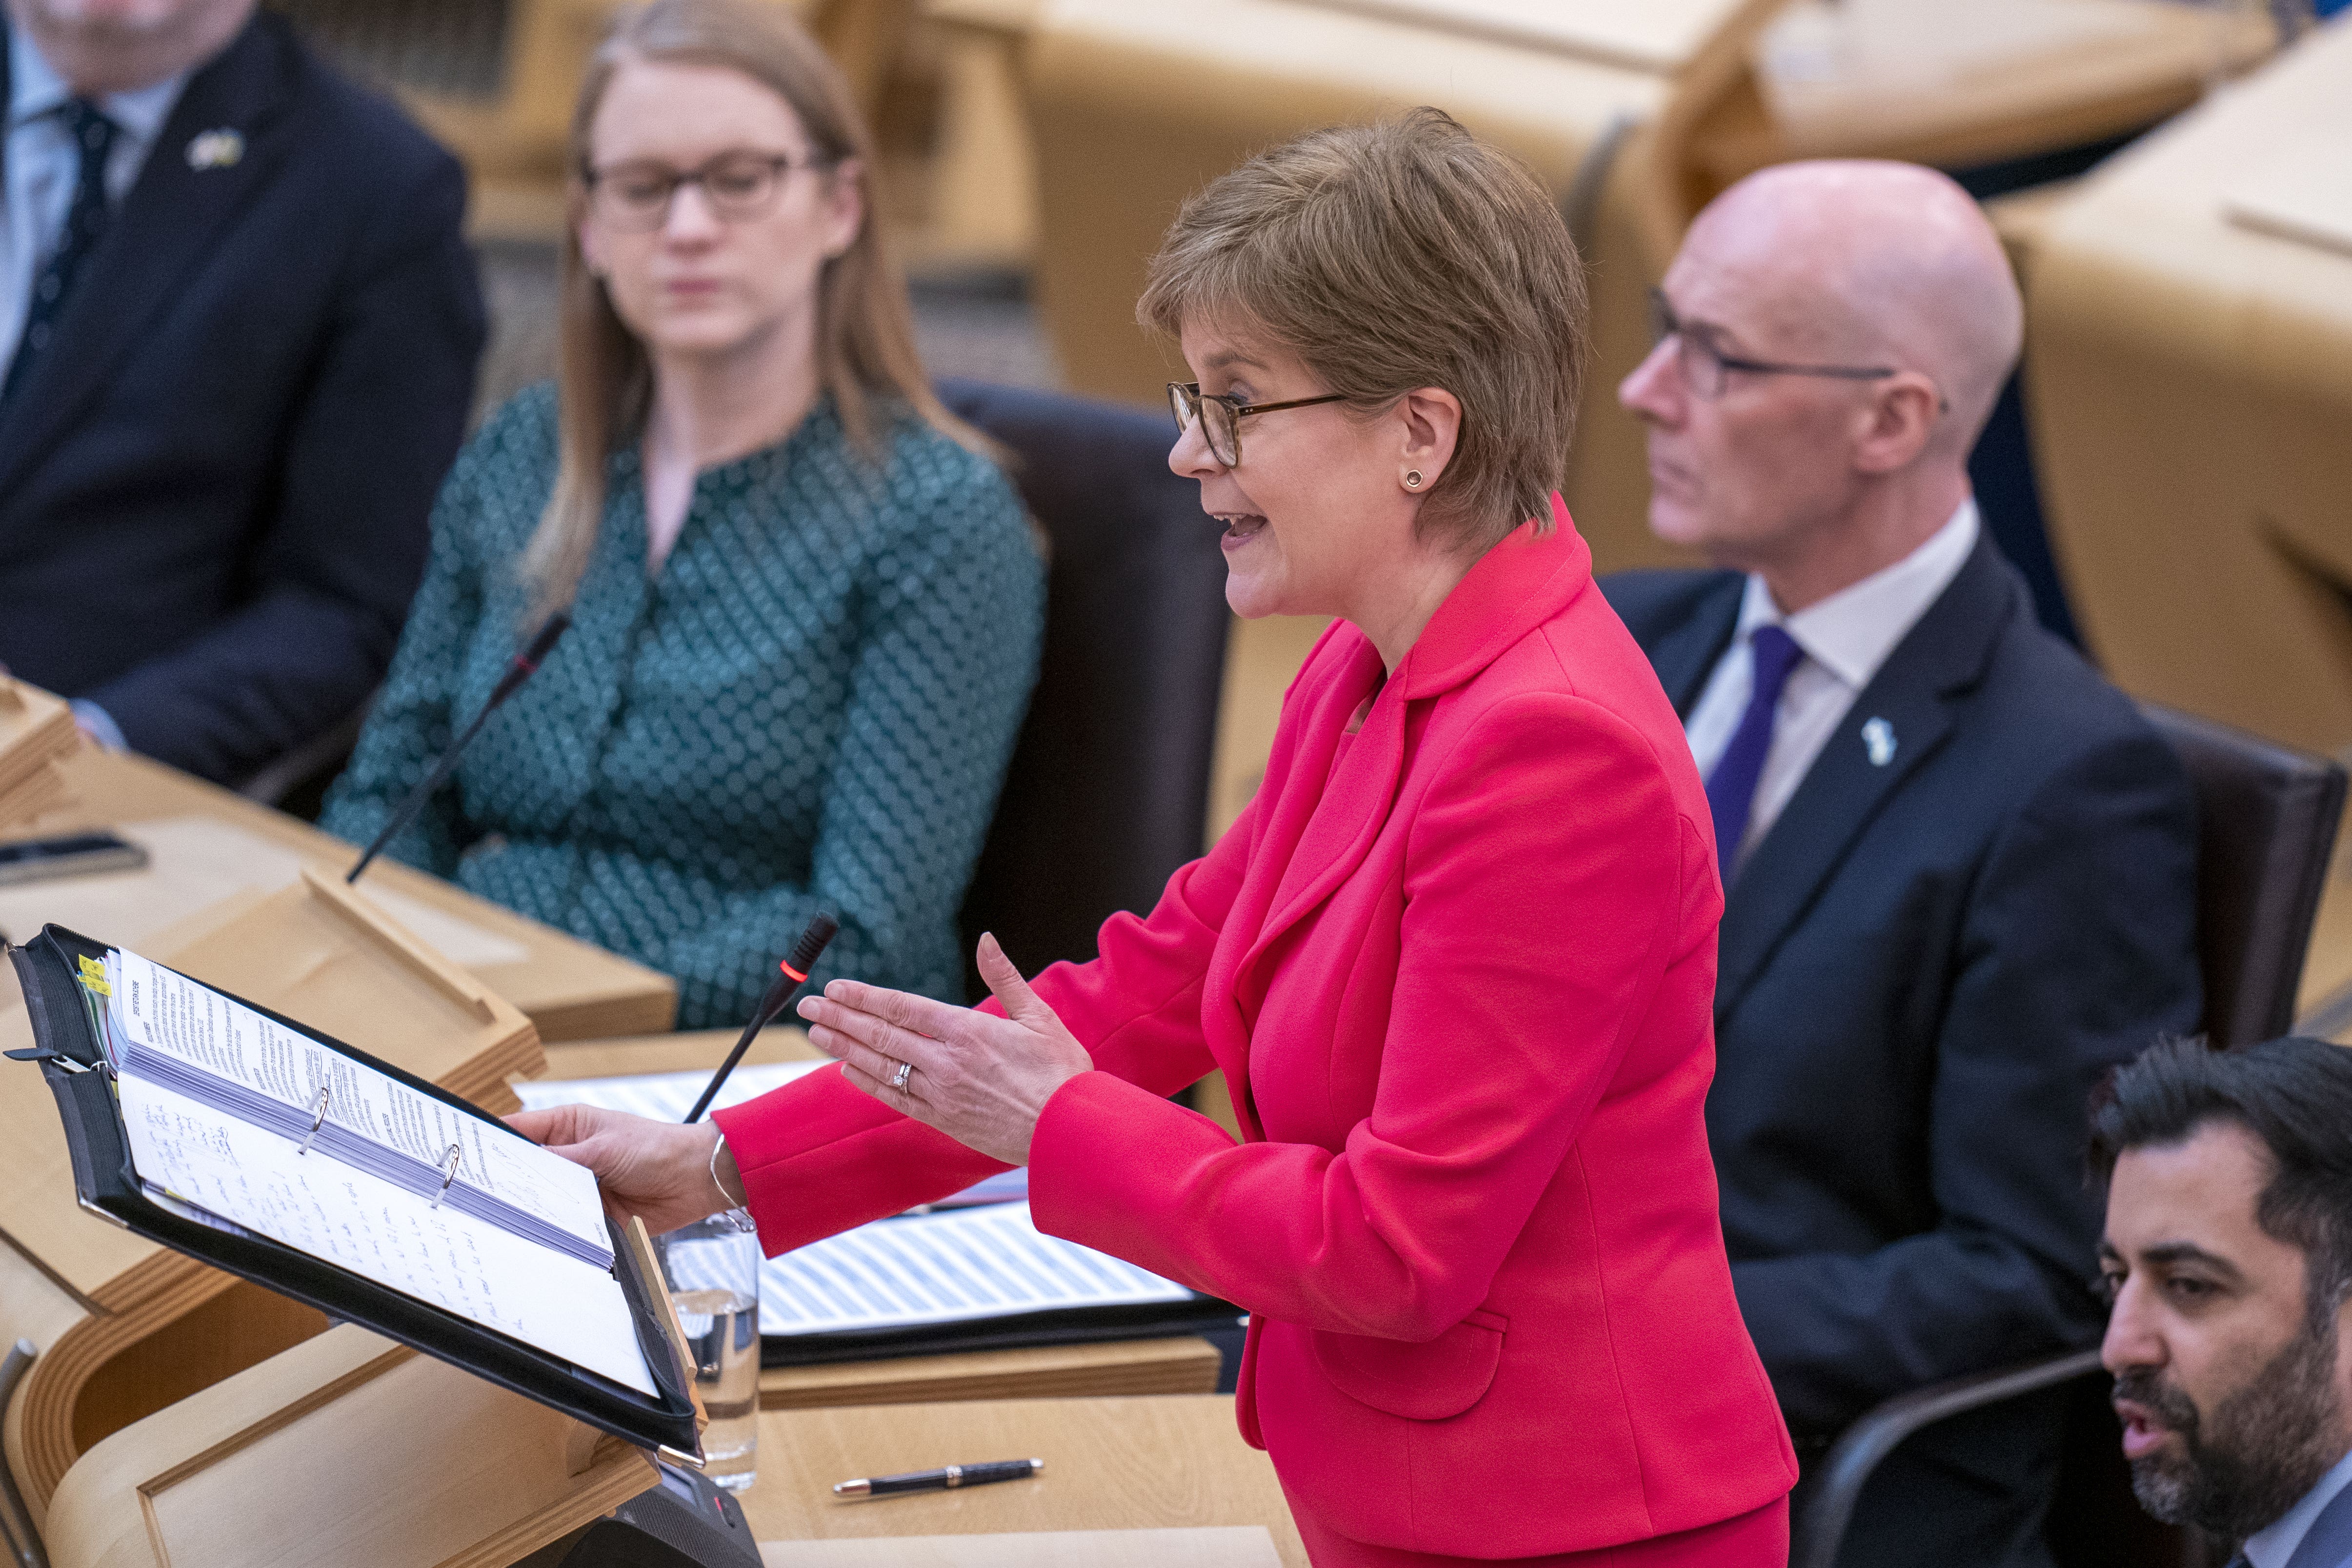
(93, 137)
(1731, 788)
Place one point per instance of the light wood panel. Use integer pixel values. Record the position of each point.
(1110, 1463)
(1228, 1546)
(346, 1449)
(2000, 79)
(36, 733)
(1174, 1365)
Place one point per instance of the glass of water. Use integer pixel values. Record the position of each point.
(713, 1268)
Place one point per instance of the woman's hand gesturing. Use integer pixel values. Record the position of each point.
(980, 1080)
(657, 1171)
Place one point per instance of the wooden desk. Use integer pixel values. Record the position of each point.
(2189, 377)
(212, 849)
(1959, 89)
(1110, 1463)
(1135, 106)
(1173, 1365)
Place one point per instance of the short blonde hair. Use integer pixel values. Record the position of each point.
(1397, 256)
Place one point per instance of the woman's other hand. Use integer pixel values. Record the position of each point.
(980, 1080)
(659, 1172)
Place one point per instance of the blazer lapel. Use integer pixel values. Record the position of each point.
(1898, 721)
(1356, 799)
(168, 223)
(1513, 588)
(1684, 656)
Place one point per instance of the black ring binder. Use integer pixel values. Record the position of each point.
(106, 1185)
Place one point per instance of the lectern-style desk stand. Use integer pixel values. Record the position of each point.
(36, 733)
(125, 1327)
(211, 852)
(345, 1449)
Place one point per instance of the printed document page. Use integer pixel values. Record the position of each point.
(663, 1096)
(944, 1268)
(167, 1013)
(668, 1096)
(334, 1211)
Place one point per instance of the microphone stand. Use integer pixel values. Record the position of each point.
(524, 665)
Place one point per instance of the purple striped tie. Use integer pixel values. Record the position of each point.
(1731, 788)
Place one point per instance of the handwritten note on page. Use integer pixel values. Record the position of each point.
(337, 1212)
(167, 1013)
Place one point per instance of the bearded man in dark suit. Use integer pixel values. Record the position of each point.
(1960, 867)
(239, 326)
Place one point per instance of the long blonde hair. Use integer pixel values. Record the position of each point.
(866, 333)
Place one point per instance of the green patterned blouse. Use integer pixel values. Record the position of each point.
(811, 706)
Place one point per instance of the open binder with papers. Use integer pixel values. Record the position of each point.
(270, 1151)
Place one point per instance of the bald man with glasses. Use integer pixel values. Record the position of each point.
(1960, 868)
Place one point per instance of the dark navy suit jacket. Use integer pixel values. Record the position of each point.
(213, 489)
(1925, 967)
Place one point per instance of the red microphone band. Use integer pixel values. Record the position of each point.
(798, 978)
(526, 666)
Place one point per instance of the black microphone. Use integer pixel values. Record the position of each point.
(779, 992)
(521, 668)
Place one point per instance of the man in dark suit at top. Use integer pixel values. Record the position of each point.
(239, 327)
(1960, 867)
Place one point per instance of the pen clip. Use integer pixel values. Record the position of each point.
(317, 1118)
(448, 1173)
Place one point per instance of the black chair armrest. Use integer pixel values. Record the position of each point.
(1847, 1467)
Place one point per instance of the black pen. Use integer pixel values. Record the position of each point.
(938, 1480)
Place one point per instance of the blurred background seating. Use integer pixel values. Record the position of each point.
(2179, 418)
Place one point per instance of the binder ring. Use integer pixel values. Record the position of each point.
(318, 1117)
(448, 1174)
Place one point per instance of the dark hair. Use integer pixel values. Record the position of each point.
(2294, 1094)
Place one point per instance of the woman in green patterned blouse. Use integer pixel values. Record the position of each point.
(805, 605)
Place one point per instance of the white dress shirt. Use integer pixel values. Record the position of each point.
(43, 166)
(2272, 1545)
(1844, 640)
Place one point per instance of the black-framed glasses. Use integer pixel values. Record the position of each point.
(1705, 365)
(1220, 417)
(635, 195)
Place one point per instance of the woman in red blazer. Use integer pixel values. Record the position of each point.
(1456, 961)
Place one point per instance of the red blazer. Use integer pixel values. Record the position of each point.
(1458, 969)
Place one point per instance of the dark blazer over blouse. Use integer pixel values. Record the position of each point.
(811, 706)
(1926, 965)
(214, 487)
